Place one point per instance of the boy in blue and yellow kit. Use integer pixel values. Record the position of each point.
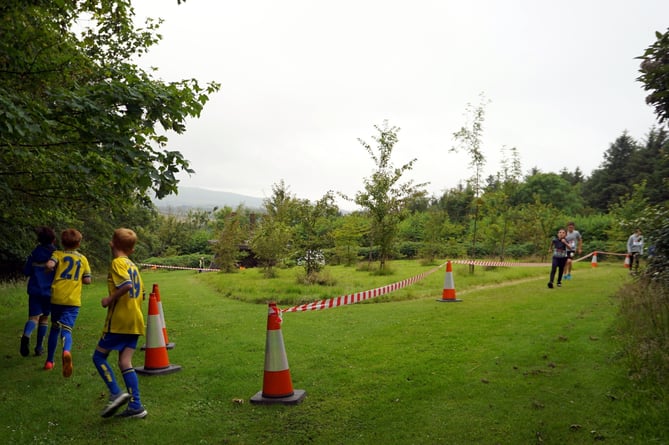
(123, 326)
(39, 290)
(71, 272)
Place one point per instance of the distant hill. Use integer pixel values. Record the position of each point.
(198, 198)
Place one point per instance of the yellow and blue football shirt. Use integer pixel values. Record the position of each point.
(124, 315)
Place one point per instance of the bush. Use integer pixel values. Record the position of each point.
(321, 278)
(645, 330)
(410, 249)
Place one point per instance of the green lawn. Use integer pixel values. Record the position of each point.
(514, 363)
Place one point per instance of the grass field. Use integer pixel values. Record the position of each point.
(513, 363)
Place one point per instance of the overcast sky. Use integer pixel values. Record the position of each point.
(302, 80)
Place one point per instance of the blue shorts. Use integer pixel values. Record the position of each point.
(64, 315)
(39, 305)
(118, 342)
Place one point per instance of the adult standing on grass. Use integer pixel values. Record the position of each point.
(575, 241)
(39, 290)
(635, 249)
(124, 324)
(71, 273)
(560, 247)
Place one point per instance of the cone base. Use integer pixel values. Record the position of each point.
(447, 300)
(297, 397)
(155, 371)
(170, 345)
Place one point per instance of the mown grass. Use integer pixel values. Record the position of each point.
(514, 363)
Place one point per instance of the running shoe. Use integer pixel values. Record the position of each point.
(133, 413)
(48, 366)
(115, 402)
(550, 285)
(25, 346)
(67, 364)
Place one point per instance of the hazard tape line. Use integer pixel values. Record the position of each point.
(610, 253)
(360, 296)
(498, 263)
(160, 266)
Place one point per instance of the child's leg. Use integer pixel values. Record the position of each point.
(41, 333)
(105, 371)
(66, 334)
(561, 267)
(30, 326)
(553, 268)
(130, 377)
(52, 342)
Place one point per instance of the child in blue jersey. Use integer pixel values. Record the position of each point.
(123, 326)
(71, 273)
(560, 248)
(39, 290)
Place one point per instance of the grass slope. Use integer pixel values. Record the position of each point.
(513, 363)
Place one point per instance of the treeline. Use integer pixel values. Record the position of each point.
(515, 217)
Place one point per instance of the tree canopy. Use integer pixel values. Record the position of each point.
(655, 75)
(82, 126)
(384, 197)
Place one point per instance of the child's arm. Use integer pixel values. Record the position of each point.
(106, 301)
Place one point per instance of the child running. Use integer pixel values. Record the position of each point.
(71, 271)
(123, 326)
(39, 290)
(560, 247)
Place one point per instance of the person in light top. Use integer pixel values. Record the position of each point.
(635, 249)
(575, 241)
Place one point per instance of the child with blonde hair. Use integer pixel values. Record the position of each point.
(71, 272)
(123, 326)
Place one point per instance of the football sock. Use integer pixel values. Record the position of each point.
(132, 383)
(66, 333)
(29, 328)
(52, 342)
(105, 371)
(41, 333)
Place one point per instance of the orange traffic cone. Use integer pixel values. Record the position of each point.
(627, 261)
(448, 296)
(156, 291)
(155, 355)
(594, 259)
(277, 386)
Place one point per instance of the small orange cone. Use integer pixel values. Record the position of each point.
(277, 386)
(155, 354)
(448, 295)
(627, 261)
(594, 259)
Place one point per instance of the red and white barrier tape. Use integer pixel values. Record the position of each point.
(373, 293)
(160, 266)
(360, 296)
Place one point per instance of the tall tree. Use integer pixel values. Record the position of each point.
(654, 71)
(81, 125)
(616, 175)
(313, 232)
(384, 197)
(469, 138)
